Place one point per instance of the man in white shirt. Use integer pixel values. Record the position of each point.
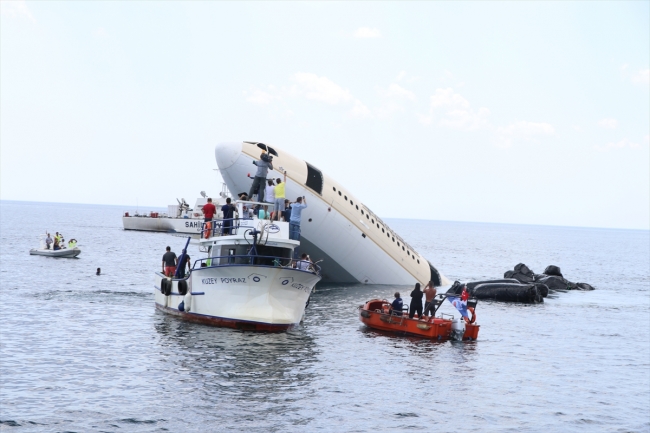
(304, 263)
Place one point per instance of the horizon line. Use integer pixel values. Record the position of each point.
(394, 218)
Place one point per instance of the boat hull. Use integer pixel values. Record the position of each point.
(373, 315)
(63, 253)
(169, 225)
(262, 298)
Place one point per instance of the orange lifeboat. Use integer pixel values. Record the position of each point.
(374, 314)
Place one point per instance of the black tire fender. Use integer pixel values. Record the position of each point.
(182, 287)
(166, 287)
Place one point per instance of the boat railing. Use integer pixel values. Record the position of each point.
(255, 260)
(231, 226)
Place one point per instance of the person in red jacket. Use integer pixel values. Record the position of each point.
(209, 210)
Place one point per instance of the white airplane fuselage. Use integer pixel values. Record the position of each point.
(355, 245)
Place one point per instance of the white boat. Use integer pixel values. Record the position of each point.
(63, 252)
(247, 280)
(353, 242)
(179, 218)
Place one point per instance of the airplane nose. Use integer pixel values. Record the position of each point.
(227, 153)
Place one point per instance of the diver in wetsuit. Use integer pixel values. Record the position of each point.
(416, 302)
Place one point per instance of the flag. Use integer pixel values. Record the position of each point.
(460, 305)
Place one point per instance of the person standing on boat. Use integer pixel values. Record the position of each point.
(259, 180)
(296, 213)
(169, 262)
(286, 214)
(48, 241)
(188, 262)
(209, 210)
(269, 193)
(304, 263)
(397, 306)
(416, 302)
(227, 209)
(430, 293)
(279, 192)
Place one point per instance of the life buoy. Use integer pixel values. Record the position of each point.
(473, 319)
(182, 287)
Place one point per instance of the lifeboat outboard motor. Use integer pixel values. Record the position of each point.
(457, 329)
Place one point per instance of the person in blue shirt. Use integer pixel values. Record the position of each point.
(397, 306)
(294, 222)
(286, 213)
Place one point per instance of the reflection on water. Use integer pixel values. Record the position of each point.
(82, 353)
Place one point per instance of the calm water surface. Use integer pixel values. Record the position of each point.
(81, 353)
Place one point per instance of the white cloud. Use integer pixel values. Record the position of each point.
(641, 77)
(608, 123)
(521, 130)
(397, 91)
(454, 111)
(309, 86)
(16, 9)
(367, 32)
(447, 98)
(260, 97)
(466, 119)
(320, 89)
(360, 110)
(621, 144)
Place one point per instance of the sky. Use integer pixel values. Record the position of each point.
(506, 112)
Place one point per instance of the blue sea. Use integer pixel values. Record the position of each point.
(87, 353)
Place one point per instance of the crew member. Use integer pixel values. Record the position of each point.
(227, 209)
(416, 302)
(269, 193)
(187, 262)
(209, 210)
(286, 214)
(169, 261)
(294, 221)
(48, 242)
(397, 306)
(263, 166)
(430, 294)
(304, 263)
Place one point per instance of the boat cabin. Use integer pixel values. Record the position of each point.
(247, 239)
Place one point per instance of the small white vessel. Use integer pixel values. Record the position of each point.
(43, 250)
(247, 281)
(180, 218)
(63, 252)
